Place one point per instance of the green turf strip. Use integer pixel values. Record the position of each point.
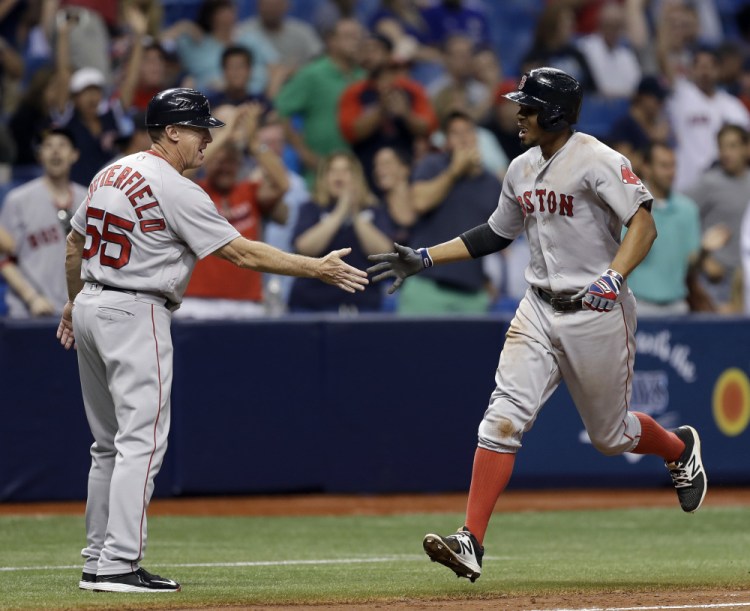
(527, 553)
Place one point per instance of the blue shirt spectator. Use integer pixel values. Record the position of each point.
(470, 202)
(644, 124)
(451, 17)
(94, 126)
(661, 282)
(202, 58)
(452, 193)
(343, 214)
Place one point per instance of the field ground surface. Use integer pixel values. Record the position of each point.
(622, 550)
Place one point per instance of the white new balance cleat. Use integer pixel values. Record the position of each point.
(460, 552)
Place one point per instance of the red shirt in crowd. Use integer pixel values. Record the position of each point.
(219, 279)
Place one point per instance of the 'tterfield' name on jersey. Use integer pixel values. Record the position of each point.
(130, 182)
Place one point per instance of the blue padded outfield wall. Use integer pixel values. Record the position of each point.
(363, 405)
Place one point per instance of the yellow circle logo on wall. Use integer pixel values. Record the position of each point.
(731, 402)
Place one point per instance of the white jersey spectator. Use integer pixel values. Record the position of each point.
(278, 287)
(37, 215)
(296, 41)
(697, 110)
(614, 65)
(721, 194)
(745, 252)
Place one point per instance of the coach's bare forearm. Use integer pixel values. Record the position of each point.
(262, 257)
(73, 257)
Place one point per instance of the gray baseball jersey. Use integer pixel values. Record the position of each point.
(30, 215)
(146, 225)
(572, 208)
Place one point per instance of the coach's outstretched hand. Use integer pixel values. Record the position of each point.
(334, 271)
(400, 265)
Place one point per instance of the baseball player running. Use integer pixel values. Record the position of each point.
(571, 194)
(134, 242)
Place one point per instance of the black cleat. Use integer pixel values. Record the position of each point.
(88, 581)
(137, 581)
(687, 471)
(460, 552)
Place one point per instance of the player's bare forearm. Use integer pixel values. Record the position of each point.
(449, 252)
(406, 261)
(636, 243)
(73, 257)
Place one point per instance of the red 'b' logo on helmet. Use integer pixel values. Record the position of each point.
(522, 83)
(628, 177)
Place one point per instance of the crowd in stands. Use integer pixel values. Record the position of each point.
(363, 123)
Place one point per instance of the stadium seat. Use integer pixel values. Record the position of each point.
(598, 114)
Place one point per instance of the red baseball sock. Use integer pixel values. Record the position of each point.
(657, 440)
(489, 478)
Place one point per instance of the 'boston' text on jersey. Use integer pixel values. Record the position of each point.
(547, 201)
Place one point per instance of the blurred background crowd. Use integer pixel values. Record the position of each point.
(363, 122)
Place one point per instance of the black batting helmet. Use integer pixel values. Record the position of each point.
(180, 106)
(555, 93)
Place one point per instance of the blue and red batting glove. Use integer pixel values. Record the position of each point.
(602, 294)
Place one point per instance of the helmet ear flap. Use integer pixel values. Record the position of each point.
(552, 119)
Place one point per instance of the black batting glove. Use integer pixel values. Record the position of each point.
(400, 265)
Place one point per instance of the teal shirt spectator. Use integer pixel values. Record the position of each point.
(660, 278)
(202, 60)
(313, 94)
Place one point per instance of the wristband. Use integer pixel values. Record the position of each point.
(616, 276)
(425, 256)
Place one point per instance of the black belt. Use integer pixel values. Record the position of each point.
(559, 303)
(107, 287)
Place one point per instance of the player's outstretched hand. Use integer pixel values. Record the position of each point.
(65, 328)
(334, 271)
(400, 265)
(601, 296)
